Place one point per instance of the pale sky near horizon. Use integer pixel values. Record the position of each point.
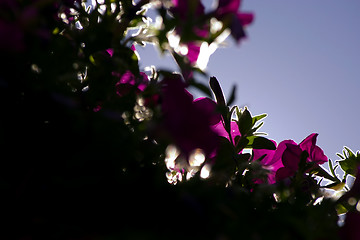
(300, 64)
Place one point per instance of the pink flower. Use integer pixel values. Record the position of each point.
(190, 9)
(271, 159)
(220, 130)
(292, 153)
(128, 81)
(187, 121)
(227, 11)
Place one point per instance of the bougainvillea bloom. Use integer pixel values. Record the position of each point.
(292, 154)
(188, 122)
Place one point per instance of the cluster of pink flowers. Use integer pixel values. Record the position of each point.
(226, 12)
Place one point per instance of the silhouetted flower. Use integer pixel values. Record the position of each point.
(190, 9)
(188, 121)
(227, 11)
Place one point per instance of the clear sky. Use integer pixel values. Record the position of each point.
(300, 64)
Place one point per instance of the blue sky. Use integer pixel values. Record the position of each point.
(300, 64)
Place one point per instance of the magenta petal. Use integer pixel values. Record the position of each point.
(280, 150)
(234, 130)
(187, 125)
(283, 173)
(220, 130)
(143, 81)
(193, 51)
(309, 142)
(275, 166)
(228, 6)
(127, 77)
(318, 156)
(291, 157)
(128, 81)
(237, 30)
(245, 18)
(184, 7)
(208, 106)
(110, 51)
(202, 32)
(269, 154)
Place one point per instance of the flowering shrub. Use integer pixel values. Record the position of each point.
(95, 147)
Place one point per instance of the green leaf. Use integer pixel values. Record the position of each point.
(257, 142)
(341, 209)
(350, 161)
(337, 186)
(244, 121)
(258, 118)
(243, 157)
(320, 172)
(224, 164)
(332, 169)
(232, 96)
(241, 143)
(205, 89)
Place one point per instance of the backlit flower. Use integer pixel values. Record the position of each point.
(292, 154)
(188, 121)
(185, 10)
(271, 159)
(227, 11)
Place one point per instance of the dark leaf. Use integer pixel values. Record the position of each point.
(350, 161)
(320, 172)
(244, 121)
(216, 88)
(257, 142)
(232, 96)
(205, 89)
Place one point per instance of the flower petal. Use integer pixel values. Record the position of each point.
(208, 106)
(245, 18)
(309, 142)
(220, 130)
(228, 6)
(283, 173)
(280, 150)
(291, 157)
(318, 156)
